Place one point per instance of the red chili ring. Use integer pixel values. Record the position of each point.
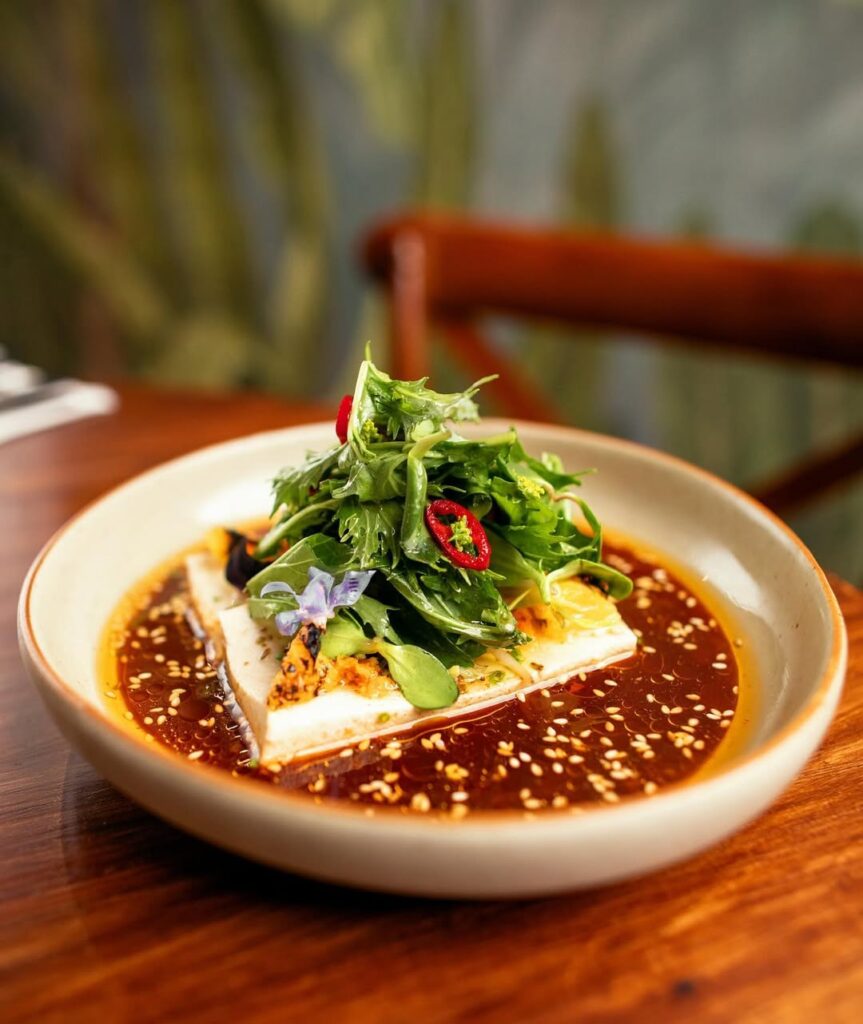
(342, 417)
(442, 533)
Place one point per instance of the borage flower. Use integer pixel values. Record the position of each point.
(319, 600)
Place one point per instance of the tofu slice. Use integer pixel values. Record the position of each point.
(211, 594)
(591, 635)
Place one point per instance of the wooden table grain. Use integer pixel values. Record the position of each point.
(107, 914)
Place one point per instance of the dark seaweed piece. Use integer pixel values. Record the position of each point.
(241, 565)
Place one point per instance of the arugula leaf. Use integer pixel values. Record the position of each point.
(474, 610)
(449, 648)
(380, 478)
(371, 531)
(293, 526)
(293, 566)
(515, 569)
(361, 505)
(548, 468)
(401, 406)
(415, 540)
(614, 583)
(293, 485)
(376, 615)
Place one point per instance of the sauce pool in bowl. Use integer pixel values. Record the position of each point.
(633, 728)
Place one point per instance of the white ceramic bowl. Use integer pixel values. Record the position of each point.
(779, 600)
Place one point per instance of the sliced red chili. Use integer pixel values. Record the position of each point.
(443, 534)
(342, 417)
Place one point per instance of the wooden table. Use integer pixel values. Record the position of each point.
(110, 915)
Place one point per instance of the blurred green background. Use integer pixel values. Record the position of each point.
(182, 183)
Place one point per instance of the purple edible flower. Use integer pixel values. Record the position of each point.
(320, 598)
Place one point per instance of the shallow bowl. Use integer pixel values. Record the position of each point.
(751, 566)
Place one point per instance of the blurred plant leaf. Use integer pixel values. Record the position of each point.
(822, 407)
(206, 350)
(373, 328)
(572, 362)
(210, 224)
(38, 292)
(111, 149)
(316, 14)
(87, 249)
(371, 44)
(591, 188)
(833, 399)
(369, 41)
(448, 117)
(682, 374)
(24, 63)
(829, 226)
(286, 142)
(299, 311)
(695, 223)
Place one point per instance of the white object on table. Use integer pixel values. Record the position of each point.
(64, 401)
(16, 378)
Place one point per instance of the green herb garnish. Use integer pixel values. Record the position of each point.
(361, 505)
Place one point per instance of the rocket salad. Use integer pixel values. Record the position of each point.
(410, 542)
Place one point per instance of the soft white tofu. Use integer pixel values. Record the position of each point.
(587, 634)
(252, 656)
(343, 716)
(211, 594)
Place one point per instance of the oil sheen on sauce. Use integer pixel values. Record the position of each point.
(630, 729)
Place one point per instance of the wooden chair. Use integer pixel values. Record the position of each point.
(445, 272)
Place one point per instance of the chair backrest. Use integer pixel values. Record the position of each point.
(446, 271)
(790, 305)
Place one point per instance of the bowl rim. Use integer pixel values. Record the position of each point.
(215, 779)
